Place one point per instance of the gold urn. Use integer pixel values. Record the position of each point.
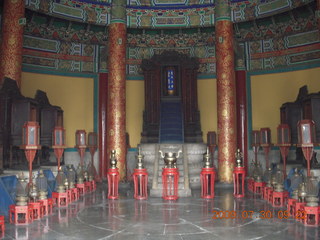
(71, 177)
(312, 191)
(43, 195)
(60, 181)
(170, 158)
(113, 160)
(279, 187)
(33, 192)
(66, 184)
(22, 191)
(239, 158)
(86, 176)
(80, 179)
(139, 160)
(22, 200)
(258, 173)
(302, 192)
(295, 194)
(42, 185)
(207, 159)
(267, 177)
(61, 189)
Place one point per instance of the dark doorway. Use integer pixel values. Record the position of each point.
(171, 82)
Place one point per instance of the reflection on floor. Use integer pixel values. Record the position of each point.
(96, 217)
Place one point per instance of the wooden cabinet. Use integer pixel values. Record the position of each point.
(50, 116)
(15, 110)
(306, 106)
(311, 110)
(9, 92)
(291, 113)
(23, 110)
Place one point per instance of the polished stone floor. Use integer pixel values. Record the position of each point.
(96, 217)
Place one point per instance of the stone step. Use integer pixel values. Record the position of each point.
(194, 157)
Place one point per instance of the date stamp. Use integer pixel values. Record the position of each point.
(281, 214)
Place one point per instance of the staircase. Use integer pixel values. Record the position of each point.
(183, 183)
(171, 122)
(189, 165)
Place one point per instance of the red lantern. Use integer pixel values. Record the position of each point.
(81, 144)
(113, 183)
(30, 143)
(255, 139)
(265, 143)
(140, 179)
(306, 140)
(207, 177)
(93, 146)
(170, 178)
(239, 175)
(58, 139)
(113, 177)
(284, 136)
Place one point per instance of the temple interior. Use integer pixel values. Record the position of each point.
(157, 119)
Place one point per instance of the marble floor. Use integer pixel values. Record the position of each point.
(96, 217)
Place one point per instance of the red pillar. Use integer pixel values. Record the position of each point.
(12, 40)
(242, 127)
(116, 117)
(103, 96)
(226, 91)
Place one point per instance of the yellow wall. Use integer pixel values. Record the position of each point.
(73, 94)
(207, 103)
(134, 110)
(270, 91)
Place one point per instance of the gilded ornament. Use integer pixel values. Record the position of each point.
(12, 40)
(225, 150)
(111, 132)
(224, 113)
(119, 151)
(118, 114)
